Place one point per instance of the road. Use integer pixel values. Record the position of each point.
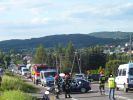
(95, 95)
(91, 95)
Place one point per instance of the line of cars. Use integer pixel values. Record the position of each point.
(44, 75)
(22, 70)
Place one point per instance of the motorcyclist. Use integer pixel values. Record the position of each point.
(67, 86)
(57, 85)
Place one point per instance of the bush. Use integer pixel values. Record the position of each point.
(9, 73)
(15, 83)
(16, 95)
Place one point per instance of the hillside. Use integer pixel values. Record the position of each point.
(113, 35)
(79, 41)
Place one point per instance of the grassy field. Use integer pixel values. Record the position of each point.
(14, 88)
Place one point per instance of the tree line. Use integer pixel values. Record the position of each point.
(70, 58)
(92, 58)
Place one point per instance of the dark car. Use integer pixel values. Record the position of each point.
(80, 85)
(77, 85)
(93, 77)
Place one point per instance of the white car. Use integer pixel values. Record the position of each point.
(25, 71)
(124, 79)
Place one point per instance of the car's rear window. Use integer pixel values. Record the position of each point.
(47, 74)
(25, 70)
(79, 75)
(40, 68)
(130, 71)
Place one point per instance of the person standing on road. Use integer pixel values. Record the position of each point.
(57, 85)
(102, 80)
(112, 85)
(67, 86)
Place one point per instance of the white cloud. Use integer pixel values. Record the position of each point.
(39, 20)
(2, 9)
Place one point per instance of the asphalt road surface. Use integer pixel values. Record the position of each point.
(94, 94)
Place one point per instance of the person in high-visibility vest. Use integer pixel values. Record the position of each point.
(112, 86)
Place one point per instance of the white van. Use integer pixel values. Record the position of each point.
(124, 79)
(47, 77)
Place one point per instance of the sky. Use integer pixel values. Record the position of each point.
(25, 19)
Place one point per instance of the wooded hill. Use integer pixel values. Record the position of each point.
(78, 40)
(112, 35)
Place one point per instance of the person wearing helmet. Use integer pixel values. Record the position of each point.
(102, 81)
(57, 85)
(67, 86)
(45, 96)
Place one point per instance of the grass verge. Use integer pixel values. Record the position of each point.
(16, 95)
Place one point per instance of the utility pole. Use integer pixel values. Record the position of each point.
(130, 44)
(60, 58)
(78, 60)
(56, 63)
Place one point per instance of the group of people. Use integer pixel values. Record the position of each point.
(102, 81)
(65, 85)
(111, 85)
(58, 85)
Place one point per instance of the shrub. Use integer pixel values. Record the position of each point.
(16, 95)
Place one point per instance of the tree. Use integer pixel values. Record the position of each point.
(40, 55)
(112, 66)
(93, 57)
(1, 59)
(69, 55)
(7, 60)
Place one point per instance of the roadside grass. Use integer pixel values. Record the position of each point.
(16, 83)
(14, 88)
(16, 95)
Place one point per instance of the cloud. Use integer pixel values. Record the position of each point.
(3, 9)
(117, 11)
(39, 21)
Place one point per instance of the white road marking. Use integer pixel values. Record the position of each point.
(73, 99)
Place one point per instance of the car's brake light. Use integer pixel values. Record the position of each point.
(37, 74)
